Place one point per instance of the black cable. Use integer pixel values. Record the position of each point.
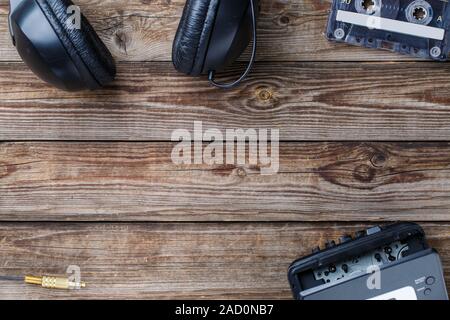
(234, 84)
(11, 278)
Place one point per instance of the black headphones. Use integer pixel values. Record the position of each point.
(212, 34)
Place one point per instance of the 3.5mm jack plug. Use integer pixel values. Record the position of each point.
(55, 282)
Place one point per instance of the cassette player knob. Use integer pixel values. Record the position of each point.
(345, 238)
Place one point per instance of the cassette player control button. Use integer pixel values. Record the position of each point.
(430, 280)
(360, 234)
(427, 292)
(316, 250)
(345, 238)
(373, 230)
(330, 244)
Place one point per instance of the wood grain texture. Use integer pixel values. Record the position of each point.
(144, 30)
(114, 192)
(138, 181)
(153, 261)
(305, 101)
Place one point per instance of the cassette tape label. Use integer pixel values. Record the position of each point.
(373, 22)
(415, 27)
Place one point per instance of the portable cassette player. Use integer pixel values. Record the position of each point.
(393, 262)
(419, 28)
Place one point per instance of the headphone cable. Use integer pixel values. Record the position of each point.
(11, 278)
(234, 84)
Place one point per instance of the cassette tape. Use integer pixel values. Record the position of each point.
(419, 28)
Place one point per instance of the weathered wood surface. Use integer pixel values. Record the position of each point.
(144, 30)
(170, 260)
(306, 101)
(309, 89)
(138, 181)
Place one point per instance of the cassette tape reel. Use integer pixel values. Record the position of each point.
(415, 27)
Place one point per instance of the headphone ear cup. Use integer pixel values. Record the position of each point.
(83, 45)
(192, 38)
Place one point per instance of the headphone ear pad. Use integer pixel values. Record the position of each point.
(192, 38)
(84, 45)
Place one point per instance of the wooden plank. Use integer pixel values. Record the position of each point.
(154, 261)
(144, 31)
(138, 181)
(305, 101)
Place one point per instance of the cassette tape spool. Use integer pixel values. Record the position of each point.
(415, 27)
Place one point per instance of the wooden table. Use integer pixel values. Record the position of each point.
(86, 178)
